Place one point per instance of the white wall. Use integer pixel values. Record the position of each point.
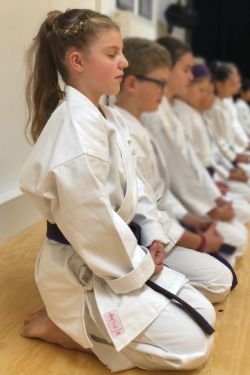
(19, 22)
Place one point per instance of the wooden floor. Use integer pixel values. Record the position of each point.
(19, 296)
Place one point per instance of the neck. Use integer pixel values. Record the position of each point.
(221, 95)
(129, 104)
(83, 89)
(190, 103)
(170, 96)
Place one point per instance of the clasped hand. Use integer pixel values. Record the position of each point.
(157, 252)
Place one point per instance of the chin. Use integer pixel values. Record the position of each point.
(113, 90)
(183, 91)
(154, 107)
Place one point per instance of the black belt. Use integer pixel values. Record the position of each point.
(54, 233)
(211, 170)
(195, 315)
(228, 265)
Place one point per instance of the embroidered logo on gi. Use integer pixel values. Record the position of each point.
(114, 323)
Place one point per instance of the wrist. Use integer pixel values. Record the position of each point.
(203, 244)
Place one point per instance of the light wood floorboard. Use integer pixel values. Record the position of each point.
(19, 296)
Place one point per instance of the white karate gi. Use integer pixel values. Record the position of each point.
(243, 112)
(224, 131)
(204, 272)
(196, 132)
(242, 188)
(81, 175)
(241, 140)
(189, 180)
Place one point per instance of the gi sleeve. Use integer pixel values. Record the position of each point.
(218, 126)
(150, 218)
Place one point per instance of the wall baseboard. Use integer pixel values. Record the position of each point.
(17, 213)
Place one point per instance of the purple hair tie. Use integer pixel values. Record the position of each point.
(200, 70)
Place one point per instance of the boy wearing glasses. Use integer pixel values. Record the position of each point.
(141, 91)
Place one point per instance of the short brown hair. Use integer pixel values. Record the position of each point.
(176, 48)
(144, 56)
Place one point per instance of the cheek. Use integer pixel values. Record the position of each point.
(149, 99)
(197, 100)
(228, 87)
(183, 83)
(176, 83)
(105, 73)
(199, 97)
(185, 80)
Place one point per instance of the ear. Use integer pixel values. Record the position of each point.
(76, 61)
(130, 84)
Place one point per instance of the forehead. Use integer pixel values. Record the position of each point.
(186, 59)
(202, 83)
(106, 38)
(231, 78)
(162, 71)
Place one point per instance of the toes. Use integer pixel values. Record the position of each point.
(25, 331)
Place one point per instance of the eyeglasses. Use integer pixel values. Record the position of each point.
(162, 84)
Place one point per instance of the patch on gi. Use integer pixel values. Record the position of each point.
(114, 323)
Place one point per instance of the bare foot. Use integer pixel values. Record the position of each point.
(38, 325)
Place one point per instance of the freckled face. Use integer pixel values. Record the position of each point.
(104, 63)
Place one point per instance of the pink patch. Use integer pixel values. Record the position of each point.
(114, 323)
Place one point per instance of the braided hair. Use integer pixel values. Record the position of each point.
(46, 59)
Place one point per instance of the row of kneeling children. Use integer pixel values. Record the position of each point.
(146, 200)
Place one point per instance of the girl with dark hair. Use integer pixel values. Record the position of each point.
(242, 105)
(227, 130)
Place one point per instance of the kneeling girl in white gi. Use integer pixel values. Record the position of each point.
(242, 104)
(188, 109)
(91, 272)
(224, 126)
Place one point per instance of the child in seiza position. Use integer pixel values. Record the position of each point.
(191, 183)
(91, 272)
(242, 104)
(240, 135)
(222, 121)
(141, 91)
(187, 107)
(235, 176)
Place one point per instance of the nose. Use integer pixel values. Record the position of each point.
(123, 64)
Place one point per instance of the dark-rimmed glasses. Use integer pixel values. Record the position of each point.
(162, 84)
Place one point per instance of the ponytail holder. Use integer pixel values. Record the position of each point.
(51, 19)
(200, 70)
